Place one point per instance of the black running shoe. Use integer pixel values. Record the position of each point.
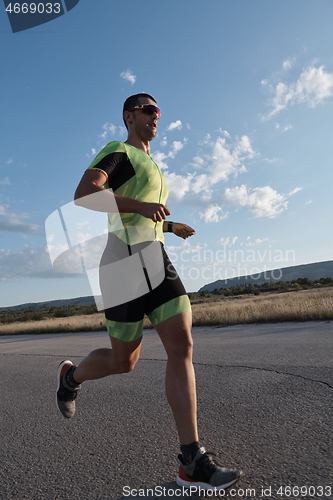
(205, 473)
(66, 393)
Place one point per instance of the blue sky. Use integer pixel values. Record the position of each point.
(245, 89)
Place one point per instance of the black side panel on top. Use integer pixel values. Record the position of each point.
(118, 167)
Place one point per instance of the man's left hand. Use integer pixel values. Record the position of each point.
(182, 230)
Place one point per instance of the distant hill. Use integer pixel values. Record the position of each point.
(311, 271)
(80, 301)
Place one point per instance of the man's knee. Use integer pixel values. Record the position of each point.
(182, 347)
(125, 365)
(124, 355)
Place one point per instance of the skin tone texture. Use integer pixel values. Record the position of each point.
(175, 332)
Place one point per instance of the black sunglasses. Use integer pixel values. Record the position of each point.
(148, 109)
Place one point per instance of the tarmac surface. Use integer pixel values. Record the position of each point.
(264, 405)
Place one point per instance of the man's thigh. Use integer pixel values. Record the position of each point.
(175, 334)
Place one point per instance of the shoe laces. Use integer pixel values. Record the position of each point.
(70, 395)
(208, 462)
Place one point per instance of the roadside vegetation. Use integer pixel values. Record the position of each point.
(41, 313)
(298, 300)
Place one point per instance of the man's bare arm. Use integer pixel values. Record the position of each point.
(179, 229)
(91, 194)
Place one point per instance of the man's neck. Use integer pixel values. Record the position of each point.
(139, 144)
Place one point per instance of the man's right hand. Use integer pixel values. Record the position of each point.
(154, 211)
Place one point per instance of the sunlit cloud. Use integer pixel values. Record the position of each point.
(312, 87)
(261, 201)
(11, 222)
(214, 213)
(175, 125)
(128, 76)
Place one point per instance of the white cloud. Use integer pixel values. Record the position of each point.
(128, 76)
(205, 140)
(218, 161)
(198, 162)
(27, 263)
(255, 242)
(13, 223)
(109, 129)
(270, 160)
(212, 214)
(92, 153)
(184, 247)
(227, 241)
(287, 127)
(288, 63)
(176, 146)
(178, 185)
(201, 185)
(160, 157)
(294, 191)
(175, 125)
(6, 181)
(313, 86)
(227, 161)
(224, 132)
(221, 162)
(224, 241)
(261, 201)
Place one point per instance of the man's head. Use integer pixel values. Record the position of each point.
(136, 100)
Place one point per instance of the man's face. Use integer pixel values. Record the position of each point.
(145, 125)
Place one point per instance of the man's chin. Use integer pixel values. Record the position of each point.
(151, 136)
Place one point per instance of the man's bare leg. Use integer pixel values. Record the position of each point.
(176, 337)
(198, 469)
(100, 363)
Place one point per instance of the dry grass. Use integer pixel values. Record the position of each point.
(84, 323)
(305, 305)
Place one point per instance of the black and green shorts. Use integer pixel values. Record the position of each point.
(125, 321)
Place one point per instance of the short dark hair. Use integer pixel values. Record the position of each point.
(133, 101)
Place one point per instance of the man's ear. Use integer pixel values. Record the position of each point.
(127, 115)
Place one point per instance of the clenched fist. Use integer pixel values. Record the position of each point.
(154, 211)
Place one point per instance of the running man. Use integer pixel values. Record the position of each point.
(140, 192)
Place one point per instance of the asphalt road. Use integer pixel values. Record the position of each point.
(264, 401)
